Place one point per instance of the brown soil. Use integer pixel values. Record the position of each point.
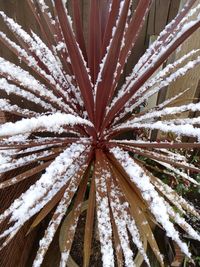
(77, 246)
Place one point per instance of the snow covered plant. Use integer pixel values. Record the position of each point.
(71, 121)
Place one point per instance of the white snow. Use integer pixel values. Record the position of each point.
(58, 216)
(156, 202)
(48, 122)
(103, 215)
(5, 105)
(59, 172)
(124, 220)
(13, 89)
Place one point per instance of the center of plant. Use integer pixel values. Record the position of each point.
(79, 131)
(100, 144)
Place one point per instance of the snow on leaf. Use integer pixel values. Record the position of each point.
(55, 177)
(187, 130)
(25, 79)
(70, 121)
(123, 220)
(103, 213)
(59, 214)
(7, 107)
(48, 122)
(13, 89)
(156, 203)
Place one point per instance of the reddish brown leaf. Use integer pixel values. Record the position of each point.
(89, 225)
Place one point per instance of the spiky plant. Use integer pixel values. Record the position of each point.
(77, 136)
